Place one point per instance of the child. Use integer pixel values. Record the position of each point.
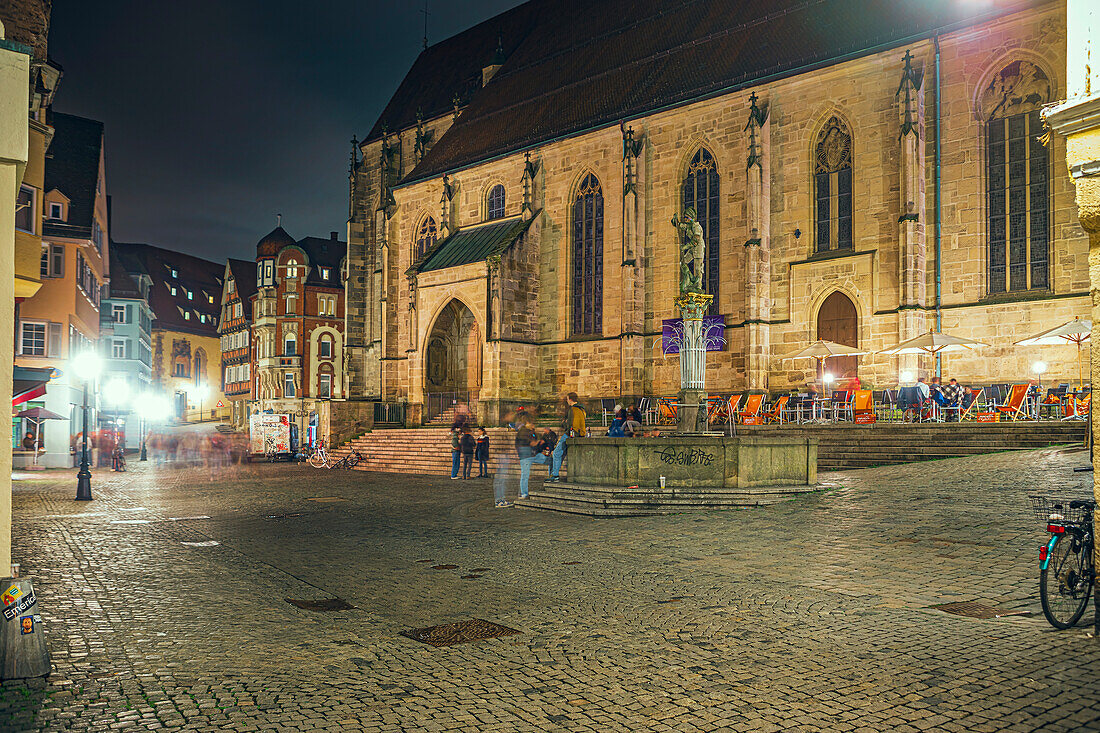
(481, 452)
(468, 444)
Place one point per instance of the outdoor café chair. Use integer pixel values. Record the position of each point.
(608, 408)
(888, 404)
(976, 400)
(841, 404)
(1015, 407)
(792, 409)
(752, 407)
(666, 410)
(648, 408)
(776, 413)
(863, 403)
(718, 410)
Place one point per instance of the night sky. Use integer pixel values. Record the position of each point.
(220, 114)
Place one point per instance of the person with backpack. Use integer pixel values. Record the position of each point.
(467, 444)
(573, 425)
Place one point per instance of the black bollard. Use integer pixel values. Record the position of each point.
(23, 650)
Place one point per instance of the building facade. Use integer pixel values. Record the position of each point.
(62, 318)
(126, 338)
(235, 330)
(184, 296)
(298, 328)
(510, 239)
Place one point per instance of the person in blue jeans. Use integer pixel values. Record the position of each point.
(540, 453)
(525, 448)
(573, 424)
(456, 451)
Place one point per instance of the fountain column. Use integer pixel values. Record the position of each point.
(691, 415)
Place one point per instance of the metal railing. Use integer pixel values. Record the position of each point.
(440, 402)
(389, 413)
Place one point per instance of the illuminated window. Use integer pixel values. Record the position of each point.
(495, 208)
(588, 257)
(833, 188)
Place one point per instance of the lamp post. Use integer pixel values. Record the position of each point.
(202, 391)
(86, 365)
(1039, 368)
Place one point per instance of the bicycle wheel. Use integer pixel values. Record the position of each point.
(317, 460)
(353, 460)
(1066, 584)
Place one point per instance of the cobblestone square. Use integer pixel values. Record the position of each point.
(164, 606)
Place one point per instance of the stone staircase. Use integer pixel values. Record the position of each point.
(846, 446)
(428, 451)
(840, 446)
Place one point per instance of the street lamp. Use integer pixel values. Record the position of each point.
(201, 392)
(1039, 368)
(152, 408)
(86, 366)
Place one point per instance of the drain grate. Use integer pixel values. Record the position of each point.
(970, 609)
(322, 604)
(474, 629)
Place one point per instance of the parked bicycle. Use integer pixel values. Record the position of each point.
(1066, 574)
(320, 459)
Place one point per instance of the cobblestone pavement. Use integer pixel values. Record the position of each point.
(810, 615)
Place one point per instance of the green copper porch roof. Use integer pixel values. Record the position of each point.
(473, 244)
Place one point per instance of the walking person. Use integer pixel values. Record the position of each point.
(525, 441)
(573, 425)
(456, 452)
(481, 453)
(541, 450)
(467, 444)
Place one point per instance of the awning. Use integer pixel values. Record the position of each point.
(473, 244)
(29, 383)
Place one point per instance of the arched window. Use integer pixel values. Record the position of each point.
(200, 366)
(290, 345)
(495, 204)
(291, 268)
(324, 346)
(425, 236)
(833, 187)
(588, 257)
(1017, 179)
(324, 381)
(701, 194)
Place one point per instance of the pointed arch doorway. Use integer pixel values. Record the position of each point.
(452, 360)
(837, 321)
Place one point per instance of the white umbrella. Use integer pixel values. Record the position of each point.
(1076, 331)
(822, 350)
(933, 343)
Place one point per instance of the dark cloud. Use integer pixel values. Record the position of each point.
(220, 114)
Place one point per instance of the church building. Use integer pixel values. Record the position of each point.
(862, 171)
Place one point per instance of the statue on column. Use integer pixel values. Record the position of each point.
(692, 252)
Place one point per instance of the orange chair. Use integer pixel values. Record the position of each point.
(973, 410)
(666, 410)
(752, 407)
(717, 410)
(1014, 408)
(776, 413)
(863, 405)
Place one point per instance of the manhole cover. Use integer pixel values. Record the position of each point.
(474, 629)
(444, 567)
(969, 609)
(322, 604)
(326, 499)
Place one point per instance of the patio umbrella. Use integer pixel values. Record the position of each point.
(37, 415)
(933, 343)
(1074, 332)
(822, 350)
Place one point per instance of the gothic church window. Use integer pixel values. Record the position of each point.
(700, 192)
(833, 187)
(1017, 179)
(495, 208)
(425, 236)
(588, 257)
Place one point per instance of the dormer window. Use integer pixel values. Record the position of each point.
(172, 288)
(175, 273)
(190, 295)
(187, 315)
(324, 273)
(292, 269)
(57, 212)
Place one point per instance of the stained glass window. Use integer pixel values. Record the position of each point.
(833, 187)
(496, 202)
(588, 257)
(425, 236)
(700, 191)
(1017, 179)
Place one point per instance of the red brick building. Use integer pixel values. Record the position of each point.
(293, 361)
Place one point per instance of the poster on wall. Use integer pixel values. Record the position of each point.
(714, 334)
